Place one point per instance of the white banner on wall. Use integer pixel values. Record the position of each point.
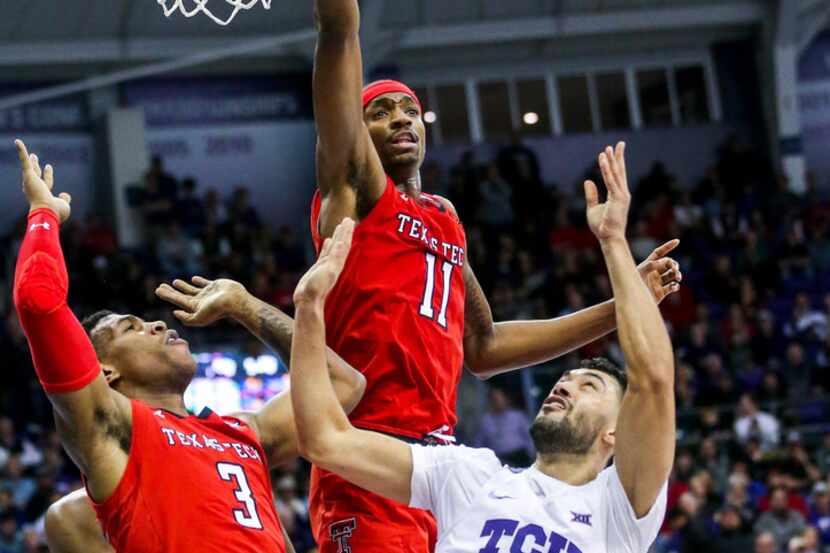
(275, 161)
(814, 104)
(72, 156)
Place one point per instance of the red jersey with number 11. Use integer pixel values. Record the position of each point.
(397, 312)
(197, 483)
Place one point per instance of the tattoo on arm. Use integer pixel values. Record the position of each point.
(478, 319)
(275, 330)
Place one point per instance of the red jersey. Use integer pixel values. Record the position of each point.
(397, 312)
(197, 483)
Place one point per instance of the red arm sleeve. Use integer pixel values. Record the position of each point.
(63, 356)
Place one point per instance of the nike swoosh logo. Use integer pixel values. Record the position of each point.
(493, 495)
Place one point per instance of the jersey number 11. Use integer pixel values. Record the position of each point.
(427, 309)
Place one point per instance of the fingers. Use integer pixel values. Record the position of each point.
(663, 250)
(591, 194)
(200, 281)
(607, 174)
(326, 247)
(619, 165)
(672, 275)
(169, 294)
(65, 197)
(49, 177)
(185, 287)
(35, 162)
(183, 316)
(23, 154)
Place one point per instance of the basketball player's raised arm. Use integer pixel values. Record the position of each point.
(491, 348)
(93, 421)
(645, 433)
(378, 463)
(348, 168)
(206, 301)
(72, 527)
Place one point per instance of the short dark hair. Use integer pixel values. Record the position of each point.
(608, 367)
(89, 324)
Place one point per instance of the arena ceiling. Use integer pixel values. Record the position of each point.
(44, 39)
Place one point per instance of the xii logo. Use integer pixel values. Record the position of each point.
(340, 533)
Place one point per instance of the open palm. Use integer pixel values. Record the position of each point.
(204, 301)
(608, 220)
(37, 185)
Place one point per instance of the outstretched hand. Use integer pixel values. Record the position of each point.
(37, 185)
(661, 273)
(204, 301)
(608, 220)
(322, 276)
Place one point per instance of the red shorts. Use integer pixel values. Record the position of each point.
(348, 519)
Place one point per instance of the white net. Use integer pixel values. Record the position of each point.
(200, 6)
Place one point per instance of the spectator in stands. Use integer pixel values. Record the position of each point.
(782, 521)
(21, 486)
(168, 185)
(754, 422)
(810, 540)
(156, 205)
(10, 541)
(765, 543)
(504, 429)
(178, 255)
(495, 211)
(820, 511)
(190, 209)
(731, 532)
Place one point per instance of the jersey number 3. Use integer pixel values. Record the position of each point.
(427, 309)
(248, 516)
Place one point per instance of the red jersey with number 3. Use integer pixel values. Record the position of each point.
(197, 483)
(397, 312)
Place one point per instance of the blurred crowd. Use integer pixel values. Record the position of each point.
(749, 326)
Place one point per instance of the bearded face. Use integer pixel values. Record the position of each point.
(579, 410)
(573, 434)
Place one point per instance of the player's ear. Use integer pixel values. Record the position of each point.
(610, 438)
(110, 373)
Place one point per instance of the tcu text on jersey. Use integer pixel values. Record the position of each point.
(505, 535)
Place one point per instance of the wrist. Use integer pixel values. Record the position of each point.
(313, 304)
(613, 242)
(242, 306)
(42, 209)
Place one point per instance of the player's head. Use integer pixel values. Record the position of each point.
(579, 415)
(393, 115)
(139, 355)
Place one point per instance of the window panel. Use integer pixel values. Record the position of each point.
(533, 99)
(655, 105)
(575, 104)
(494, 102)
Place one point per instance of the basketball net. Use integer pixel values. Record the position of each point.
(201, 7)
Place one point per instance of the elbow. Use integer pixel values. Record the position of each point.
(316, 451)
(657, 379)
(480, 370)
(357, 391)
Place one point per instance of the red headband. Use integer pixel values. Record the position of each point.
(377, 88)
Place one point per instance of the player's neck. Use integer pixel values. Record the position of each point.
(169, 401)
(575, 470)
(407, 179)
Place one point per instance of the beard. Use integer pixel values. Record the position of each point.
(570, 435)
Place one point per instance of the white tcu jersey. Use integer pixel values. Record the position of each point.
(484, 507)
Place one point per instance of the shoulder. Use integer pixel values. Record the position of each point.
(446, 203)
(72, 511)
(452, 457)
